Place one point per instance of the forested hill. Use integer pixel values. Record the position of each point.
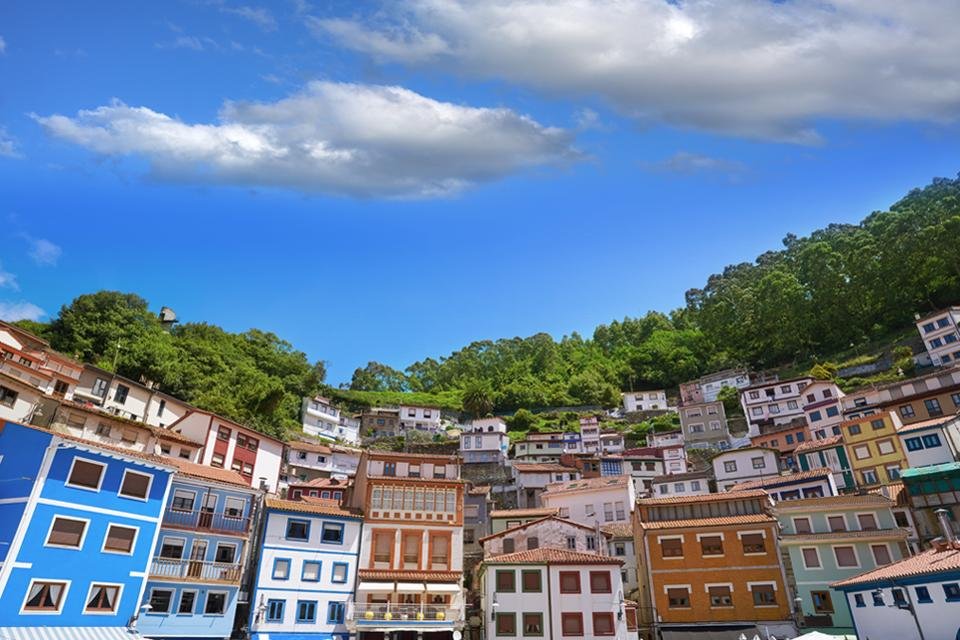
(844, 285)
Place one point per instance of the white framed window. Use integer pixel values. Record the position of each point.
(103, 598)
(188, 601)
(233, 507)
(67, 532)
(86, 474)
(120, 539)
(135, 485)
(881, 554)
(160, 600)
(216, 603)
(44, 596)
(183, 500)
(861, 452)
(846, 557)
(811, 558)
(172, 548)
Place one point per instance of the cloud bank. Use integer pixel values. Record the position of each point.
(340, 138)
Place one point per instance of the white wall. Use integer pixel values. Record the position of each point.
(577, 504)
(938, 619)
(744, 470)
(22, 407)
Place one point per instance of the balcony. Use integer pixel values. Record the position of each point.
(387, 614)
(194, 570)
(206, 521)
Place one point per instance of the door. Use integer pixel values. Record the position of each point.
(206, 511)
(198, 553)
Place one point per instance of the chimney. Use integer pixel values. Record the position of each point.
(945, 527)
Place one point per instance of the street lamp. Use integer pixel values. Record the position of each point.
(907, 604)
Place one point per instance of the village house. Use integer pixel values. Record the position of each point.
(815, 483)
(501, 520)
(828, 453)
(545, 446)
(484, 440)
(918, 399)
(686, 548)
(414, 418)
(875, 453)
(604, 500)
(333, 489)
(322, 419)
(476, 523)
(822, 408)
(940, 334)
(704, 424)
(127, 398)
(643, 464)
(773, 403)
(654, 400)
(620, 544)
(547, 531)
(930, 442)
(742, 465)
(785, 438)
(19, 400)
(380, 422)
(30, 359)
(306, 461)
(930, 489)
(691, 483)
(531, 478)
(707, 388)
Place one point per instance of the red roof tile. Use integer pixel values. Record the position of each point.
(550, 555)
(194, 470)
(813, 445)
(590, 484)
(540, 467)
(532, 523)
(720, 521)
(924, 424)
(777, 481)
(312, 505)
(523, 513)
(930, 562)
(410, 576)
(709, 497)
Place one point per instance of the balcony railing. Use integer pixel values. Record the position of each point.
(206, 521)
(430, 614)
(200, 570)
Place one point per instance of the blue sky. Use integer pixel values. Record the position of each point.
(394, 183)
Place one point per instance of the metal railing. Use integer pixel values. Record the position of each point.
(200, 520)
(389, 612)
(202, 570)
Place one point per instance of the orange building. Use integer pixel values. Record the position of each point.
(711, 564)
(785, 438)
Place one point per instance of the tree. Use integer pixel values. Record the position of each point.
(730, 397)
(477, 399)
(378, 377)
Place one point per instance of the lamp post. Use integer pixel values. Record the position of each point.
(908, 605)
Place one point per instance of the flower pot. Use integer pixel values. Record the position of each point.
(368, 615)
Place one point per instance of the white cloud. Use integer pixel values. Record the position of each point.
(754, 68)
(8, 280)
(684, 162)
(257, 15)
(13, 311)
(43, 252)
(8, 145)
(3, 45)
(353, 139)
(182, 42)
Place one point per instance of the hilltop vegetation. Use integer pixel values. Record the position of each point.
(810, 301)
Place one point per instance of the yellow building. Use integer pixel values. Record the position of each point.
(873, 449)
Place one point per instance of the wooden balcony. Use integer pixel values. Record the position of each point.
(206, 521)
(180, 570)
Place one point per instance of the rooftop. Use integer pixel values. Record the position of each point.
(590, 484)
(387, 575)
(523, 513)
(550, 555)
(618, 530)
(709, 497)
(828, 502)
(313, 506)
(878, 534)
(194, 470)
(719, 521)
(933, 469)
(783, 480)
(540, 467)
(930, 562)
(531, 523)
(927, 424)
(644, 452)
(813, 445)
(313, 447)
(679, 477)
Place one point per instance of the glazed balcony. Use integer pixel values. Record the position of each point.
(195, 570)
(206, 521)
(385, 614)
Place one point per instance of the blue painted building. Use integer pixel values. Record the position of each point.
(194, 581)
(78, 522)
(306, 571)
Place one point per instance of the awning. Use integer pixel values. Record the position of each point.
(407, 587)
(67, 633)
(443, 588)
(703, 632)
(376, 587)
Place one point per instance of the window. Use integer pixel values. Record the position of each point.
(103, 598)
(802, 525)
(591, 543)
(600, 582)
(931, 441)
(730, 466)
(188, 599)
(671, 547)
(172, 548)
(877, 599)
(183, 500)
(678, 598)
(571, 624)
(923, 595)
(811, 559)
(160, 600)
(306, 611)
(881, 554)
(753, 543)
(533, 624)
(135, 485)
(66, 532)
(869, 476)
(8, 397)
(754, 395)
(679, 487)
(389, 468)
(854, 429)
(711, 545)
(899, 598)
(763, 595)
(121, 393)
(86, 474)
(571, 542)
(336, 612)
(789, 438)
(298, 529)
(530, 581)
(331, 533)
(506, 624)
(44, 595)
(867, 521)
(720, 596)
(951, 592)
(281, 568)
(913, 444)
(955, 398)
(275, 610)
(833, 412)
(120, 539)
(759, 462)
(858, 598)
(508, 546)
(533, 542)
(217, 461)
(846, 557)
(885, 447)
(893, 471)
(907, 411)
(815, 416)
(933, 407)
(506, 581)
(569, 582)
(223, 433)
(822, 602)
(310, 571)
(877, 424)
(861, 452)
(695, 485)
(603, 624)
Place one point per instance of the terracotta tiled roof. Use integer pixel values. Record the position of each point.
(721, 521)
(311, 505)
(406, 479)
(709, 497)
(618, 530)
(410, 576)
(313, 447)
(779, 481)
(831, 502)
(149, 457)
(160, 432)
(541, 467)
(168, 434)
(930, 562)
(324, 483)
(590, 484)
(813, 445)
(524, 513)
(894, 491)
(550, 555)
(924, 424)
(532, 523)
(379, 455)
(194, 470)
(879, 534)
(750, 448)
(644, 452)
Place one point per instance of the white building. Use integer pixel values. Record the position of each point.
(128, 399)
(823, 409)
(692, 483)
(604, 500)
(620, 544)
(545, 446)
(413, 418)
(741, 465)
(484, 440)
(18, 399)
(643, 464)
(665, 438)
(940, 334)
(674, 459)
(589, 434)
(30, 359)
(655, 400)
(707, 388)
(815, 483)
(307, 461)
(773, 403)
(531, 478)
(321, 418)
(228, 445)
(554, 593)
(612, 442)
(547, 531)
(306, 571)
(931, 442)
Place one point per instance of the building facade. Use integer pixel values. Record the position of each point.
(484, 441)
(691, 483)
(322, 419)
(594, 500)
(875, 453)
(828, 453)
(704, 424)
(773, 403)
(930, 442)
(743, 465)
(940, 334)
(655, 400)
